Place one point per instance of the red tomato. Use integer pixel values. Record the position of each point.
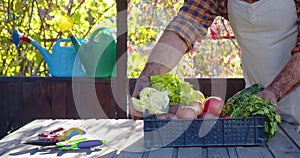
(214, 105)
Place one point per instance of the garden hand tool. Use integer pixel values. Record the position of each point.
(48, 140)
(82, 144)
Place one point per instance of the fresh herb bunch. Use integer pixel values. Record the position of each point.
(246, 103)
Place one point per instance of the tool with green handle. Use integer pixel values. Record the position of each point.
(81, 144)
(68, 142)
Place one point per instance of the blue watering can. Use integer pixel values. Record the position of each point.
(62, 62)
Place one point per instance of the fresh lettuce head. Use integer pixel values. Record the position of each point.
(155, 101)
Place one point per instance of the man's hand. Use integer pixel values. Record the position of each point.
(163, 58)
(284, 82)
(269, 95)
(142, 82)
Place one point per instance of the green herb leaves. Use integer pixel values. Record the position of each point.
(246, 103)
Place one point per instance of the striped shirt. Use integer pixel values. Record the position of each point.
(195, 16)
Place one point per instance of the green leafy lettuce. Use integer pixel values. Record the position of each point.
(180, 91)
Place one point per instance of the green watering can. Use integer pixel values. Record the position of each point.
(98, 55)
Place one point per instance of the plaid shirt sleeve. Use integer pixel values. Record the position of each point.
(194, 18)
(297, 48)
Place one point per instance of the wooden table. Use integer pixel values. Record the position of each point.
(125, 140)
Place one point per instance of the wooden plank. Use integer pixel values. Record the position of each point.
(282, 146)
(165, 152)
(206, 90)
(52, 152)
(71, 107)
(14, 105)
(91, 126)
(215, 152)
(59, 100)
(191, 152)
(259, 152)
(105, 99)
(116, 137)
(130, 154)
(232, 152)
(291, 131)
(4, 110)
(219, 88)
(134, 147)
(87, 103)
(96, 129)
(233, 86)
(29, 102)
(12, 143)
(44, 101)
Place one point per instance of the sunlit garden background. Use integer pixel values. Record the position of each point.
(217, 55)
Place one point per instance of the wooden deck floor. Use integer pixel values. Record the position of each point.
(125, 140)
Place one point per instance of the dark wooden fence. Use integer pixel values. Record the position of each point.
(23, 99)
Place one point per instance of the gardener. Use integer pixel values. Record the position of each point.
(267, 32)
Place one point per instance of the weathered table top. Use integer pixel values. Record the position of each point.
(125, 140)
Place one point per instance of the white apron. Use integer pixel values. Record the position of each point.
(267, 32)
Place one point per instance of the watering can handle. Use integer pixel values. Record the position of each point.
(107, 30)
(57, 44)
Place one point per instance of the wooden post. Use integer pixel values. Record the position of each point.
(121, 82)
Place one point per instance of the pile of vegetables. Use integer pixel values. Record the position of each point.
(246, 103)
(170, 97)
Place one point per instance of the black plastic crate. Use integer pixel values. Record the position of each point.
(204, 132)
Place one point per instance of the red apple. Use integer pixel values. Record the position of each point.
(214, 105)
(204, 115)
(198, 105)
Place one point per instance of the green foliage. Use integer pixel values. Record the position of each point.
(211, 57)
(38, 19)
(147, 19)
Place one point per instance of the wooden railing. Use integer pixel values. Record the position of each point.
(23, 99)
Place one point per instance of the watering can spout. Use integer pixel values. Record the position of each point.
(45, 53)
(17, 37)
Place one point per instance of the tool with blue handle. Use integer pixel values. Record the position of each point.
(82, 144)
